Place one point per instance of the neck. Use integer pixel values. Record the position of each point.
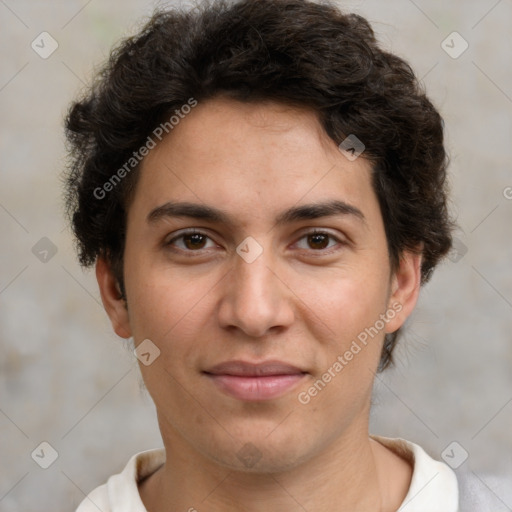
(348, 474)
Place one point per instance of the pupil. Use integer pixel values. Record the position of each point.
(194, 240)
(320, 239)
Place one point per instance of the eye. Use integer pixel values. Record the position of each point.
(319, 240)
(190, 241)
(194, 241)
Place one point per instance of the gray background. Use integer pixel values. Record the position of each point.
(66, 379)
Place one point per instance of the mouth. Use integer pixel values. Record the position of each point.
(255, 382)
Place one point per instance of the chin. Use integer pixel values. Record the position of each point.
(257, 452)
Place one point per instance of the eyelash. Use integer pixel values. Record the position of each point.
(192, 231)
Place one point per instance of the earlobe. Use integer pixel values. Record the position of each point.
(405, 289)
(114, 305)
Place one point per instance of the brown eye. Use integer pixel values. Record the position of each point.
(191, 241)
(194, 241)
(318, 240)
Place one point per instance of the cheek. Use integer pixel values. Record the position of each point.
(170, 307)
(352, 346)
(161, 307)
(345, 302)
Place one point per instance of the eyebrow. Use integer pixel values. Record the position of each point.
(296, 213)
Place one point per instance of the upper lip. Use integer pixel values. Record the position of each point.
(247, 369)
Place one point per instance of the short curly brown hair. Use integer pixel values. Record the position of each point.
(301, 53)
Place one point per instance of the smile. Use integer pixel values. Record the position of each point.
(255, 382)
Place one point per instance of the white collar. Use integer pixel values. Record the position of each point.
(433, 486)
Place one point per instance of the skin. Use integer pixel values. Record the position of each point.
(300, 301)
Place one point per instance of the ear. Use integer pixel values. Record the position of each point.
(110, 296)
(405, 289)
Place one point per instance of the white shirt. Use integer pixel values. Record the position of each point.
(433, 486)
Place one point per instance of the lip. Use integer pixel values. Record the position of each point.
(255, 381)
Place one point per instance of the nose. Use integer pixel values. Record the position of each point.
(256, 299)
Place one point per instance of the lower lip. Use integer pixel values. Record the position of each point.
(256, 388)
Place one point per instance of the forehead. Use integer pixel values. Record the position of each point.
(254, 157)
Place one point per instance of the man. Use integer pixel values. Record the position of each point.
(261, 188)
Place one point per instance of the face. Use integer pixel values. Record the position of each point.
(268, 313)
